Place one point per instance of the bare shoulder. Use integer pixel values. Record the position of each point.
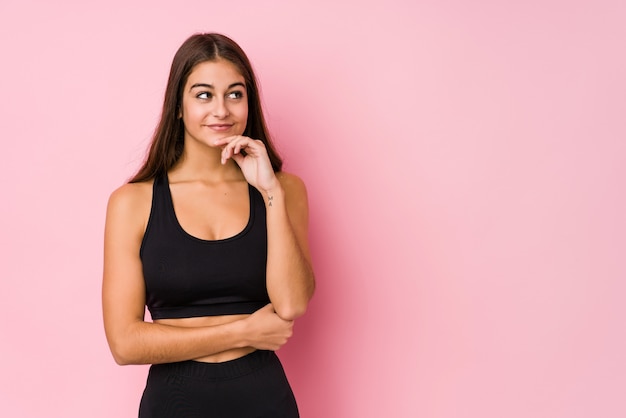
(297, 202)
(131, 194)
(292, 185)
(131, 202)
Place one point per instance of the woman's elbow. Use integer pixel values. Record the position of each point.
(121, 354)
(121, 361)
(297, 307)
(292, 311)
(124, 351)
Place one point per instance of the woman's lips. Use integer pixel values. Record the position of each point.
(220, 127)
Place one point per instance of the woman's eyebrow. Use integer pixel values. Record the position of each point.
(210, 86)
(204, 85)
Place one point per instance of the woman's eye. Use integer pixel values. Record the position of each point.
(204, 95)
(235, 95)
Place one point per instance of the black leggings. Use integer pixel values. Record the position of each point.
(251, 386)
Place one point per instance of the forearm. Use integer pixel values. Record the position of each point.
(149, 343)
(290, 279)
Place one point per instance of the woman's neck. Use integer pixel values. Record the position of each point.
(204, 163)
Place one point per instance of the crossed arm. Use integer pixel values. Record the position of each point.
(290, 282)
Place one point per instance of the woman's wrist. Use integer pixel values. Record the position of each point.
(273, 194)
(241, 331)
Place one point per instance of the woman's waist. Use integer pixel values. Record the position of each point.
(226, 369)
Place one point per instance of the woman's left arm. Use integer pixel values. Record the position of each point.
(290, 279)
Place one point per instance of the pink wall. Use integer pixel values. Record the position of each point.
(465, 164)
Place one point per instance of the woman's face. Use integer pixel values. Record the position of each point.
(215, 103)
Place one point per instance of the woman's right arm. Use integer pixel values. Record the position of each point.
(134, 341)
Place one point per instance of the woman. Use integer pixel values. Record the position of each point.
(211, 236)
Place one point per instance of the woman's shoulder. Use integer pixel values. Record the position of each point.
(130, 193)
(131, 200)
(294, 190)
(291, 183)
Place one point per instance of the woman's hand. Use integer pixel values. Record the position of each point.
(266, 330)
(255, 164)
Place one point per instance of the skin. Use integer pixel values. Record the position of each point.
(209, 190)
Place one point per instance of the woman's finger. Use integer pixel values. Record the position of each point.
(234, 145)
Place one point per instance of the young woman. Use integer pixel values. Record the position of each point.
(211, 236)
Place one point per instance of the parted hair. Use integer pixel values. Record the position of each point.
(168, 139)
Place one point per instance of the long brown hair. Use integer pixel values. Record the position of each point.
(168, 139)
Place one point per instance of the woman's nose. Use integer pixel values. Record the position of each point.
(220, 110)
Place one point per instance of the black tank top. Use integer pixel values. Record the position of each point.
(188, 277)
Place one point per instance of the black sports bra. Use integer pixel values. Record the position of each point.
(188, 277)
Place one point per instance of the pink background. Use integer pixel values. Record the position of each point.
(465, 163)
